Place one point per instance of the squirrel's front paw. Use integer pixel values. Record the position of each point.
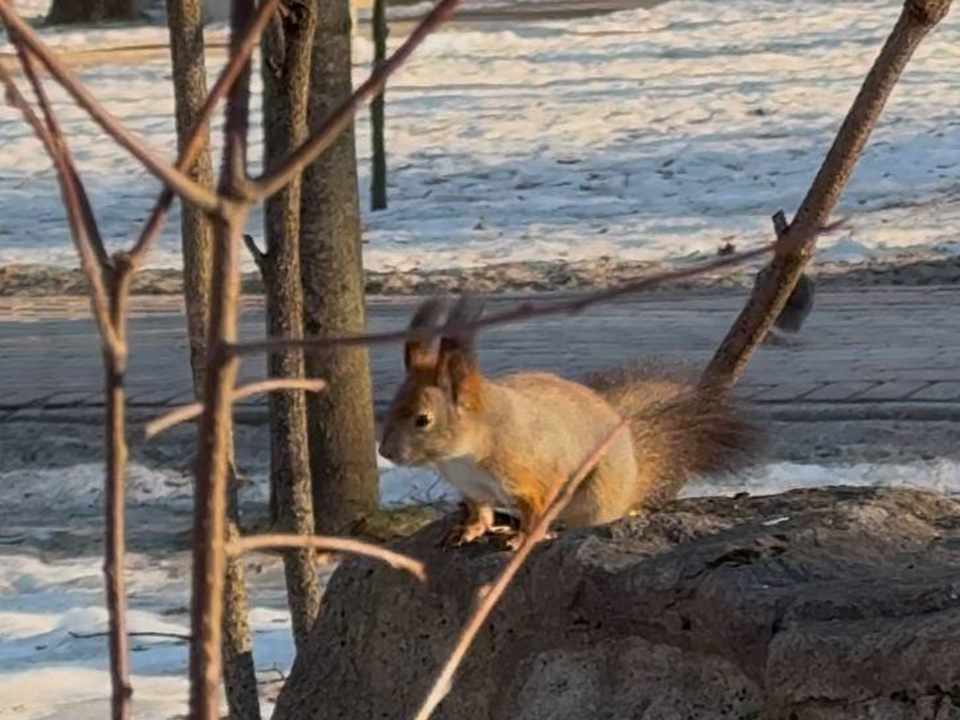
(463, 534)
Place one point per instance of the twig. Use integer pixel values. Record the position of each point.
(172, 636)
(183, 184)
(274, 179)
(90, 223)
(489, 595)
(330, 544)
(194, 410)
(796, 243)
(228, 76)
(84, 244)
(524, 311)
(282, 677)
(258, 255)
(780, 224)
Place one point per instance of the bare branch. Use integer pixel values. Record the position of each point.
(183, 184)
(330, 544)
(524, 311)
(114, 502)
(273, 180)
(216, 426)
(210, 503)
(489, 595)
(89, 260)
(90, 223)
(259, 256)
(194, 410)
(228, 76)
(169, 635)
(797, 242)
(780, 224)
(109, 285)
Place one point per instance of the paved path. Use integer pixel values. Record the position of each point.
(867, 353)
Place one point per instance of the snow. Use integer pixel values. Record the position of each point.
(646, 135)
(48, 670)
(54, 489)
(940, 475)
(406, 485)
(51, 668)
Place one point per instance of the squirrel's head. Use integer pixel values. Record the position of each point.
(430, 417)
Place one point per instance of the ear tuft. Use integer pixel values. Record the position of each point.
(419, 352)
(458, 370)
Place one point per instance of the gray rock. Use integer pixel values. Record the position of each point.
(813, 605)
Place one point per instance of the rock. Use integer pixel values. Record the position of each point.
(817, 604)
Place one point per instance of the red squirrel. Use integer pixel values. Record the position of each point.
(505, 442)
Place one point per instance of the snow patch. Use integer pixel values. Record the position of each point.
(647, 135)
(51, 666)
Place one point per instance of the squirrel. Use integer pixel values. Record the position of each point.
(505, 443)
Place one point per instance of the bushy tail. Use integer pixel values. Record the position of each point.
(680, 431)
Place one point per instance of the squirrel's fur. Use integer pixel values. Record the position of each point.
(680, 431)
(508, 442)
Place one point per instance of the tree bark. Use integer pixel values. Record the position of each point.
(345, 482)
(378, 175)
(190, 90)
(66, 12)
(239, 671)
(286, 49)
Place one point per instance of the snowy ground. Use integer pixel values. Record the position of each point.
(645, 135)
(51, 601)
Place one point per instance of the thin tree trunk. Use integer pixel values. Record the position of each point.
(190, 91)
(345, 484)
(65, 12)
(239, 671)
(378, 175)
(286, 50)
(796, 246)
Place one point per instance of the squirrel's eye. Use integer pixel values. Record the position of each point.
(423, 420)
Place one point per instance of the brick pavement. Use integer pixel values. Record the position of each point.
(881, 350)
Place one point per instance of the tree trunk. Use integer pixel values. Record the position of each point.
(65, 12)
(286, 50)
(378, 175)
(190, 91)
(345, 483)
(239, 671)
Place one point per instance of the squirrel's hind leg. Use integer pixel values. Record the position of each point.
(530, 510)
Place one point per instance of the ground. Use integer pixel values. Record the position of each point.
(867, 395)
(569, 150)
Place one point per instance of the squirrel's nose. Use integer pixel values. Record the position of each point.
(387, 450)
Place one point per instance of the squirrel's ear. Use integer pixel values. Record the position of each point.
(419, 352)
(457, 366)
